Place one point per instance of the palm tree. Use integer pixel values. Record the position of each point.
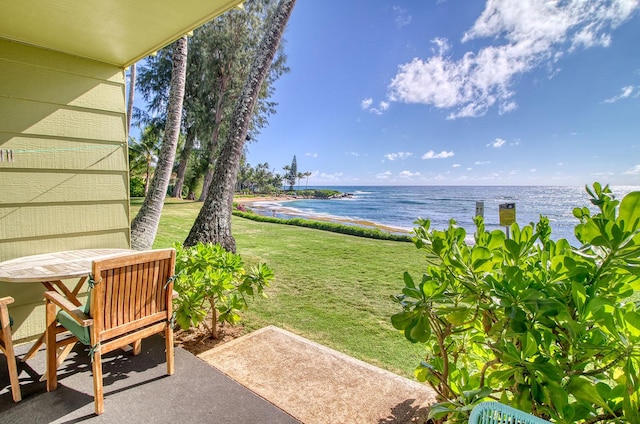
(145, 225)
(299, 177)
(132, 90)
(213, 224)
(306, 174)
(143, 154)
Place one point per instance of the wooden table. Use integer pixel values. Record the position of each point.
(50, 269)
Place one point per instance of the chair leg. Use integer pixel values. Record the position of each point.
(52, 363)
(98, 392)
(168, 336)
(137, 347)
(13, 375)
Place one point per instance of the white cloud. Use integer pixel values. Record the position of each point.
(399, 155)
(633, 171)
(526, 34)
(482, 162)
(383, 175)
(402, 16)
(455, 165)
(354, 154)
(625, 92)
(433, 155)
(533, 170)
(333, 176)
(366, 103)
(497, 143)
(313, 155)
(379, 110)
(559, 163)
(408, 174)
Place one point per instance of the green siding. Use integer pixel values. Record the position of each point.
(67, 187)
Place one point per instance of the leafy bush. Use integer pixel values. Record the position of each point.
(543, 326)
(136, 186)
(211, 279)
(352, 230)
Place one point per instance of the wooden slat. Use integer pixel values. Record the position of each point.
(130, 338)
(108, 293)
(131, 326)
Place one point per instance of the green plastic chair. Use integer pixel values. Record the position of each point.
(498, 413)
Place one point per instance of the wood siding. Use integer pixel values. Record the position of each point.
(63, 162)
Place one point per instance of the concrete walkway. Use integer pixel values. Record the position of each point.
(318, 385)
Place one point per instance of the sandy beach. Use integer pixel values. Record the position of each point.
(253, 199)
(249, 200)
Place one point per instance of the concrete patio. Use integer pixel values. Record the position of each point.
(137, 389)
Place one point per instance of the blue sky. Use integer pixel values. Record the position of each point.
(459, 92)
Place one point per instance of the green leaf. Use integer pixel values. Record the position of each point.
(630, 211)
(458, 316)
(402, 320)
(408, 281)
(585, 390)
(633, 323)
(579, 295)
(529, 345)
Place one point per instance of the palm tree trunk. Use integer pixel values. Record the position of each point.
(145, 225)
(184, 161)
(213, 224)
(215, 136)
(132, 90)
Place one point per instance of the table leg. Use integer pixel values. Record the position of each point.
(34, 349)
(65, 291)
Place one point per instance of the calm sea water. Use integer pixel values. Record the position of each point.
(400, 206)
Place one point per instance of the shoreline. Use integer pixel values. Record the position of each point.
(248, 201)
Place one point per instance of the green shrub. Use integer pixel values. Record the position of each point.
(136, 186)
(353, 230)
(543, 326)
(212, 280)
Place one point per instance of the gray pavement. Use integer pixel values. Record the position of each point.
(137, 390)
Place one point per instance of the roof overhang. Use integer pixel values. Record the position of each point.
(118, 32)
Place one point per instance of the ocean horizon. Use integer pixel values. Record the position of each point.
(398, 207)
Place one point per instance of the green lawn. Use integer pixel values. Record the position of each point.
(331, 288)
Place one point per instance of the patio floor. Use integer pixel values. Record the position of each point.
(136, 389)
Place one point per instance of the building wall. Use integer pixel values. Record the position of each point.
(63, 163)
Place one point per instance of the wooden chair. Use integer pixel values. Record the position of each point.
(130, 299)
(498, 413)
(6, 345)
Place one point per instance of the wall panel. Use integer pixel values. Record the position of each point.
(63, 167)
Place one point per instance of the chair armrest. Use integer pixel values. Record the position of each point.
(64, 304)
(6, 300)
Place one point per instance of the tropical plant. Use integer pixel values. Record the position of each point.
(548, 328)
(291, 174)
(210, 279)
(143, 154)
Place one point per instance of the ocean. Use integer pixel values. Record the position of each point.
(398, 207)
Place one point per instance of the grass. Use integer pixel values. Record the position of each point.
(331, 288)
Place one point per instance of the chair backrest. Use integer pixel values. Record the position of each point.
(498, 413)
(131, 291)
